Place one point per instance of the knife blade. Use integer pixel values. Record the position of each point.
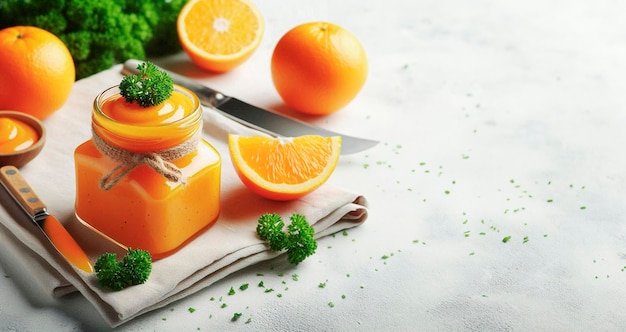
(254, 117)
(13, 181)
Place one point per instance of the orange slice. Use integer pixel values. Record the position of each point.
(219, 35)
(284, 168)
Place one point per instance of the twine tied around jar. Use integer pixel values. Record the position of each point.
(159, 161)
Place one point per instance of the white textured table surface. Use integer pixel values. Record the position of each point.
(496, 119)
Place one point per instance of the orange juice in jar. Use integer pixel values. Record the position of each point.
(147, 179)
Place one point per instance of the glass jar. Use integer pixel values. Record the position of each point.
(147, 179)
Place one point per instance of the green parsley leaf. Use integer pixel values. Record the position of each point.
(148, 88)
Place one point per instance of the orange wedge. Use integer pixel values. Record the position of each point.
(219, 35)
(284, 168)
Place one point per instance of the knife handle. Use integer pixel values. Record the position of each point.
(21, 190)
(65, 244)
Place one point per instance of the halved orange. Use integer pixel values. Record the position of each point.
(284, 168)
(219, 35)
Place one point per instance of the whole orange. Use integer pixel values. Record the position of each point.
(37, 71)
(318, 67)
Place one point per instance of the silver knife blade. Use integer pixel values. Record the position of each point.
(254, 117)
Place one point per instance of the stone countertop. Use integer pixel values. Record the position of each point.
(497, 197)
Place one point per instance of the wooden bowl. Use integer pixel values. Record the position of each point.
(22, 157)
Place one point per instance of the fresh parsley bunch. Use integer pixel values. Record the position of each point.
(299, 239)
(134, 269)
(149, 88)
(100, 34)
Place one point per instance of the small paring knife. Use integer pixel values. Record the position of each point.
(255, 117)
(16, 185)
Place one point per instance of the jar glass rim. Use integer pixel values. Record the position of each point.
(114, 90)
(136, 137)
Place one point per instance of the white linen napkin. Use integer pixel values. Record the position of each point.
(231, 244)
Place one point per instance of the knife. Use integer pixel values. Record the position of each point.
(24, 195)
(254, 117)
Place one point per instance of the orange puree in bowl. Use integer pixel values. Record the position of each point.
(144, 209)
(16, 135)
